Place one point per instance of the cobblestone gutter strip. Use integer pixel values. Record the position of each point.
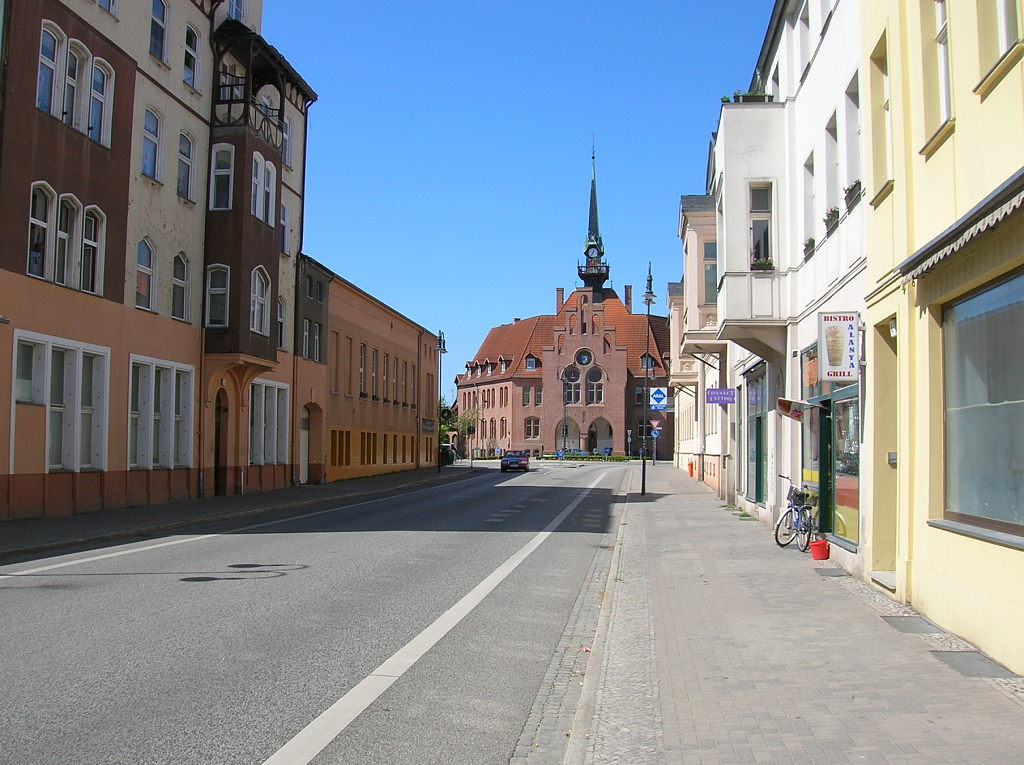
(627, 718)
(548, 731)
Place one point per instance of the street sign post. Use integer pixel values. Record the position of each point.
(659, 400)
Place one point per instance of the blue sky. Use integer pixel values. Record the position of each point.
(449, 153)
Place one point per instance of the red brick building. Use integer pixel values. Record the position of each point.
(574, 379)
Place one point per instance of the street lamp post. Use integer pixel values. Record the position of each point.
(565, 413)
(440, 348)
(648, 299)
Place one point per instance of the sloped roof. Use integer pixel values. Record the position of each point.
(527, 337)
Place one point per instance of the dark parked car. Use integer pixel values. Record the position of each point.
(515, 460)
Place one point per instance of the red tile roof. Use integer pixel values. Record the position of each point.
(515, 341)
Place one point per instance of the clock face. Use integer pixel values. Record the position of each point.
(583, 358)
(593, 252)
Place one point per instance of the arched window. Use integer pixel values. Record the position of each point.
(493, 428)
(221, 173)
(258, 314)
(571, 385)
(158, 31)
(40, 231)
(179, 287)
(607, 345)
(269, 193)
(144, 275)
(151, 144)
(185, 162)
(51, 50)
(259, 319)
(75, 68)
(67, 223)
(90, 275)
(572, 325)
(258, 170)
(595, 386)
(190, 67)
(280, 323)
(217, 278)
(101, 95)
(504, 427)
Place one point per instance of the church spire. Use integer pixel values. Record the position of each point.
(594, 271)
(593, 230)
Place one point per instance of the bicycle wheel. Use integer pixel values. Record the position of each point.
(803, 529)
(784, 531)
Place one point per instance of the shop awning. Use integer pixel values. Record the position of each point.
(987, 214)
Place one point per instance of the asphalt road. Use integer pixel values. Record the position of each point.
(413, 629)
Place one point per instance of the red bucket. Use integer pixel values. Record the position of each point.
(819, 549)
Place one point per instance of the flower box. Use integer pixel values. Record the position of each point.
(762, 265)
(831, 219)
(808, 247)
(852, 193)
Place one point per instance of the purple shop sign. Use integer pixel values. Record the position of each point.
(720, 395)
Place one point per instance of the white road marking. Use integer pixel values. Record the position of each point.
(186, 540)
(312, 739)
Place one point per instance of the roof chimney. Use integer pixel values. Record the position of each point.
(629, 298)
(559, 298)
(515, 320)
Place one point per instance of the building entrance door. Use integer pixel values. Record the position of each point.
(220, 446)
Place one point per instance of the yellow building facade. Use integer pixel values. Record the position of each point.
(943, 86)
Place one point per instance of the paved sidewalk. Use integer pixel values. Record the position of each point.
(20, 537)
(724, 648)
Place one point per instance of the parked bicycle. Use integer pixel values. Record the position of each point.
(798, 522)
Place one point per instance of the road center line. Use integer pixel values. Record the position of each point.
(312, 739)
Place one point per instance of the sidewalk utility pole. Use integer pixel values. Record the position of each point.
(440, 348)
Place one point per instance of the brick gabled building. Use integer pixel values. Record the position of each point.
(574, 379)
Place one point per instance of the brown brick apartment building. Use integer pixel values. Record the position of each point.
(574, 379)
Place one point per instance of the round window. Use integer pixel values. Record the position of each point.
(584, 357)
(572, 374)
(594, 375)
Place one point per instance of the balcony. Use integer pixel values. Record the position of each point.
(751, 305)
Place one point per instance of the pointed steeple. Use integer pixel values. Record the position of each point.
(593, 271)
(593, 230)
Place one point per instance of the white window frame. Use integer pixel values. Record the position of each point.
(212, 291)
(942, 61)
(65, 238)
(150, 167)
(110, 6)
(259, 301)
(1006, 17)
(761, 215)
(316, 341)
(53, 65)
(99, 102)
(284, 228)
(269, 203)
(236, 10)
(281, 324)
(305, 338)
(179, 286)
(186, 165)
(258, 170)
(158, 30)
(145, 271)
(218, 173)
(191, 53)
(286, 142)
(47, 226)
(163, 421)
(98, 244)
(268, 422)
(73, 84)
(71, 406)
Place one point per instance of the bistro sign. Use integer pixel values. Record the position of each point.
(839, 346)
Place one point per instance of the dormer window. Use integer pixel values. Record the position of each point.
(647, 361)
(504, 365)
(531, 362)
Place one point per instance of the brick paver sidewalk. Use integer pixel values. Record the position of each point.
(757, 657)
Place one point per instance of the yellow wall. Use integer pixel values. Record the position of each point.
(973, 588)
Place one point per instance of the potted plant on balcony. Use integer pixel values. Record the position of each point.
(808, 247)
(751, 98)
(831, 219)
(762, 264)
(852, 193)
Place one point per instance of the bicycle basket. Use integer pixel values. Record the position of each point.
(796, 496)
